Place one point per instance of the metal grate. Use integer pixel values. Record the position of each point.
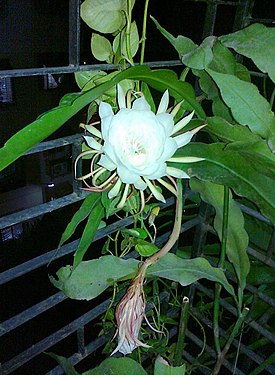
(82, 349)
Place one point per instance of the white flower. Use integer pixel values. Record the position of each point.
(135, 144)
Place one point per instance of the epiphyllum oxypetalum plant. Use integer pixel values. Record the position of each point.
(134, 145)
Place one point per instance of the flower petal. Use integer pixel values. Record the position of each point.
(107, 163)
(185, 159)
(167, 122)
(124, 196)
(157, 170)
(106, 114)
(93, 130)
(121, 97)
(140, 185)
(182, 123)
(175, 172)
(91, 142)
(183, 139)
(115, 189)
(163, 105)
(141, 104)
(170, 147)
(126, 176)
(154, 191)
(176, 108)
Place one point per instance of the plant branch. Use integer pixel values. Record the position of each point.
(182, 329)
(128, 32)
(218, 287)
(143, 36)
(234, 333)
(174, 235)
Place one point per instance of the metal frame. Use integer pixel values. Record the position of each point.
(200, 223)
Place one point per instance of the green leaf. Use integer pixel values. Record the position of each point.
(105, 16)
(135, 232)
(95, 216)
(201, 56)
(119, 44)
(242, 72)
(101, 48)
(162, 79)
(118, 366)
(82, 213)
(145, 248)
(182, 44)
(260, 233)
(247, 105)
(193, 56)
(148, 96)
(256, 42)
(162, 367)
(50, 121)
(90, 278)
(248, 144)
(237, 238)
(261, 274)
(227, 132)
(257, 154)
(223, 60)
(230, 168)
(187, 271)
(84, 78)
(64, 363)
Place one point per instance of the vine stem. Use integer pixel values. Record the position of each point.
(218, 287)
(173, 237)
(234, 333)
(143, 36)
(128, 31)
(182, 330)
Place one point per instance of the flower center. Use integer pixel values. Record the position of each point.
(134, 151)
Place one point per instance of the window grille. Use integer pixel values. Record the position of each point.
(22, 361)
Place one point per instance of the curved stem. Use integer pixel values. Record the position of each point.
(143, 37)
(173, 237)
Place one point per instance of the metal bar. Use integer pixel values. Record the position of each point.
(212, 352)
(29, 72)
(101, 340)
(252, 355)
(59, 142)
(254, 214)
(76, 150)
(74, 32)
(41, 209)
(89, 349)
(264, 332)
(53, 339)
(41, 260)
(243, 14)
(66, 249)
(31, 313)
(81, 340)
(210, 18)
(261, 257)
